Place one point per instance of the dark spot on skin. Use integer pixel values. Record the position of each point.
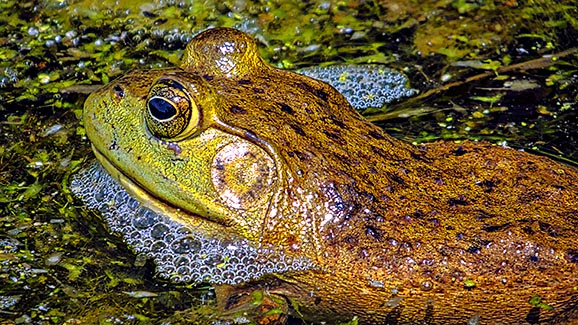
(418, 214)
(487, 185)
(308, 111)
(319, 93)
(237, 110)
(459, 151)
(378, 151)
(572, 256)
(461, 200)
(219, 164)
(396, 178)
(149, 14)
(376, 135)
(419, 156)
(258, 90)
(373, 232)
(287, 109)
(297, 129)
(473, 250)
(346, 160)
(434, 222)
(372, 170)
(334, 136)
(338, 123)
(484, 216)
(449, 228)
(113, 146)
(394, 316)
(244, 82)
(548, 228)
(534, 258)
(208, 77)
(459, 236)
(429, 317)
(301, 156)
(317, 300)
(533, 316)
(494, 228)
(363, 156)
(118, 91)
(351, 240)
(368, 196)
(138, 157)
(528, 230)
(438, 181)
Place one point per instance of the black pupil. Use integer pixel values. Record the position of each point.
(161, 109)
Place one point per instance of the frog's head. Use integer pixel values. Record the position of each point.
(230, 139)
(161, 132)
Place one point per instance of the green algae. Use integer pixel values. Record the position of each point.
(49, 48)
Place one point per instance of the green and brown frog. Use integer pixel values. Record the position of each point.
(260, 180)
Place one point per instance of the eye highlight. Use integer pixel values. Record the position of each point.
(171, 113)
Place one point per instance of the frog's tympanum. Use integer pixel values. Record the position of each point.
(257, 179)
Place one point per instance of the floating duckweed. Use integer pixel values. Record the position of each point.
(469, 284)
(181, 254)
(537, 301)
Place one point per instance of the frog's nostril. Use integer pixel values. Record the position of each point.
(119, 92)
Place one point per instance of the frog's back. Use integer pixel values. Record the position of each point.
(435, 233)
(459, 233)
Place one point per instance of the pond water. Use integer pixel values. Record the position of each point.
(483, 71)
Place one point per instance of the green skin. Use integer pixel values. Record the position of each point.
(436, 233)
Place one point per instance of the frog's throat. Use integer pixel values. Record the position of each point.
(145, 198)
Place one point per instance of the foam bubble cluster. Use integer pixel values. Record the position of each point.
(364, 86)
(180, 253)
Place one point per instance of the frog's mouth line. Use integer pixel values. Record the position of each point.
(146, 198)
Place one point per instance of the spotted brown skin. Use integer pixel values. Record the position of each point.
(438, 233)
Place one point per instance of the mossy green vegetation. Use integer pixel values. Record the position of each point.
(58, 264)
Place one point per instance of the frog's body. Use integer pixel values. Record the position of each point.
(437, 233)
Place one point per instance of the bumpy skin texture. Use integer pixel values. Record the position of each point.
(439, 233)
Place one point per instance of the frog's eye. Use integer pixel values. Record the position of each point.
(171, 114)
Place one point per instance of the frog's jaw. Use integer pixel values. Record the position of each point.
(145, 198)
(197, 252)
(202, 175)
(236, 176)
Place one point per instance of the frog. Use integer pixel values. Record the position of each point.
(319, 213)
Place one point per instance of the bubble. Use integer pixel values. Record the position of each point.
(159, 230)
(180, 253)
(158, 247)
(364, 86)
(144, 219)
(182, 261)
(185, 245)
(214, 260)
